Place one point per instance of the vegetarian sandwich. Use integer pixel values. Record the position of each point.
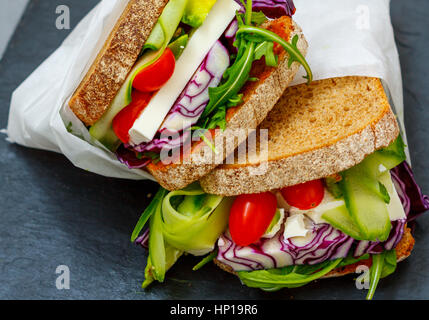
(336, 194)
(173, 71)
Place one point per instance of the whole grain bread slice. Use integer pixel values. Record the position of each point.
(403, 251)
(314, 131)
(258, 100)
(115, 60)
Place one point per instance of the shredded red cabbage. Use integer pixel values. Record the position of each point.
(143, 240)
(323, 243)
(414, 201)
(273, 8)
(326, 242)
(187, 110)
(129, 158)
(363, 247)
(160, 143)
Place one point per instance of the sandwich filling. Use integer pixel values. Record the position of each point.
(289, 237)
(192, 70)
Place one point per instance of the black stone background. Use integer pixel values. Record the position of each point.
(53, 213)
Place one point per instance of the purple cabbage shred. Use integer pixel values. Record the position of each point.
(273, 8)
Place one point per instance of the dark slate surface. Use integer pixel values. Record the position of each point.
(53, 213)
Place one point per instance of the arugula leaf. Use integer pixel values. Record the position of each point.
(309, 269)
(248, 13)
(201, 132)
(375, 273)
(206, 260)
(390, 261)
(253, 43)
(266, 49)
(300, 275)
(259, 18)
(291, 48)
(218, 119)
(236, 75)
(289, 277)
(352, 260)
(383, 265)
(149, 211)
(235, 101)
(155, 157)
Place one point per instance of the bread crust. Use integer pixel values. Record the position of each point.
(248, 116)
(403, 251)
(321, 161)
(115, 60)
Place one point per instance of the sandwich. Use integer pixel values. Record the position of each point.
(173, 72)
(336, 196)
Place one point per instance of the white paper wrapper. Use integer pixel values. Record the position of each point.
(346, 37)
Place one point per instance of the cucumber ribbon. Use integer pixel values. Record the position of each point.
(158, 41)
(187, 220)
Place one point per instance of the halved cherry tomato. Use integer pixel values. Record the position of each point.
(153, 77)
(125, 119)
(250, 217)
(304, 196)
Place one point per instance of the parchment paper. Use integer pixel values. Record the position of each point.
(346, 37)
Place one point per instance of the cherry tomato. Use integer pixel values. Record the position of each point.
(250, 217)
(125, 119)
(153, 77)
(304, 196)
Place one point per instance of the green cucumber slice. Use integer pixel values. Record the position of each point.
(340, 219)
(179, 45)
(367, 209)
(369, 196)
(393, 155)
(102, 130)
(156, 39)
(167, 25)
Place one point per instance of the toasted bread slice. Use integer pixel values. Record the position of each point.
(403, 251)
(258, 100)
(115, 60)
(313, 132)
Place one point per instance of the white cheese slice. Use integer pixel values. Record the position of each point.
(295, 227)
(395, 208)
(148, 123)
(329, 202)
